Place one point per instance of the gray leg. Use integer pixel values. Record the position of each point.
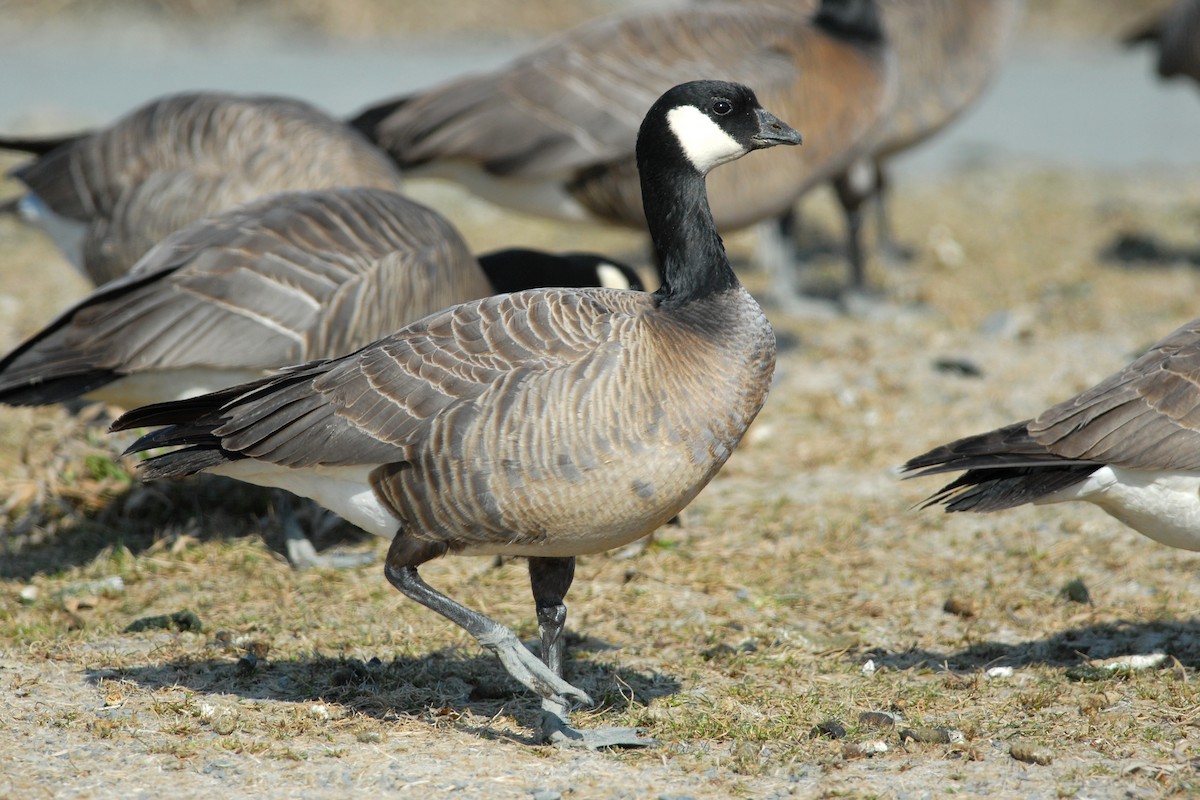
(891, 249)
(550, 578)
(300, 551)
(852, 194)
(406, 554)
(778, 257)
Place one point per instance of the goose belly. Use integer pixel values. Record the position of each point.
(611, 506)
(157, 386)
(1162, 505)
(68, 234)
(346, 491)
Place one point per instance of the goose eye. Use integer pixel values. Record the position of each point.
(721, 107)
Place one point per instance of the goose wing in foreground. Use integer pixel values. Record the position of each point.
(1130, 444)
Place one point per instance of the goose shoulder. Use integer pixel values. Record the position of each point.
(1146, 416)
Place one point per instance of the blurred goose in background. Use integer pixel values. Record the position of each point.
(1130, 444)
(286, 279)
(1176, 34)
(553, 133)
(546, 424)
(108, 196)
(947, 52)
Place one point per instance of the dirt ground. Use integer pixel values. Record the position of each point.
(807, 633)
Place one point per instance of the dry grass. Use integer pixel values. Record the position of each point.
(730, 640)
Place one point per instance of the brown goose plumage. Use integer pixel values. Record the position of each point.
(1130, 444)
(946, 53)
(120, 190)
(547, 423)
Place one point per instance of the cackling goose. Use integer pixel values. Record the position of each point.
(546, 424)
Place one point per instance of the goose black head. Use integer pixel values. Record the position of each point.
(713, 122)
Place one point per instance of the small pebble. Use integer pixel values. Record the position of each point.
(224, 724)
(547, 794)
(868, 668)
(831, 728)
(1031, 754)
(959, 608)
(864, 749)
(877, 719)
(1076, 591)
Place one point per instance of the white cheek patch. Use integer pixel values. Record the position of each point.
(703, 141)
(611, 277)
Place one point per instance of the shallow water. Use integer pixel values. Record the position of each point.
(1086, 106)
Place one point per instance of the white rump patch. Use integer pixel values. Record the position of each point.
(346, 491)
(611, 277)
(157, 386)
(1162, 505)
(704, 142)
(68, 234)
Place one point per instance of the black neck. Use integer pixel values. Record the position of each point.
(689, 249)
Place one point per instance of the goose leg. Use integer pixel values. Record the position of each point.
(550, 578)
(852, 192)
(779, 258)
(300, 551)
(891, 249)
(403, 558)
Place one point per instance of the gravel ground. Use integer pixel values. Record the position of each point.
(807, 633)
